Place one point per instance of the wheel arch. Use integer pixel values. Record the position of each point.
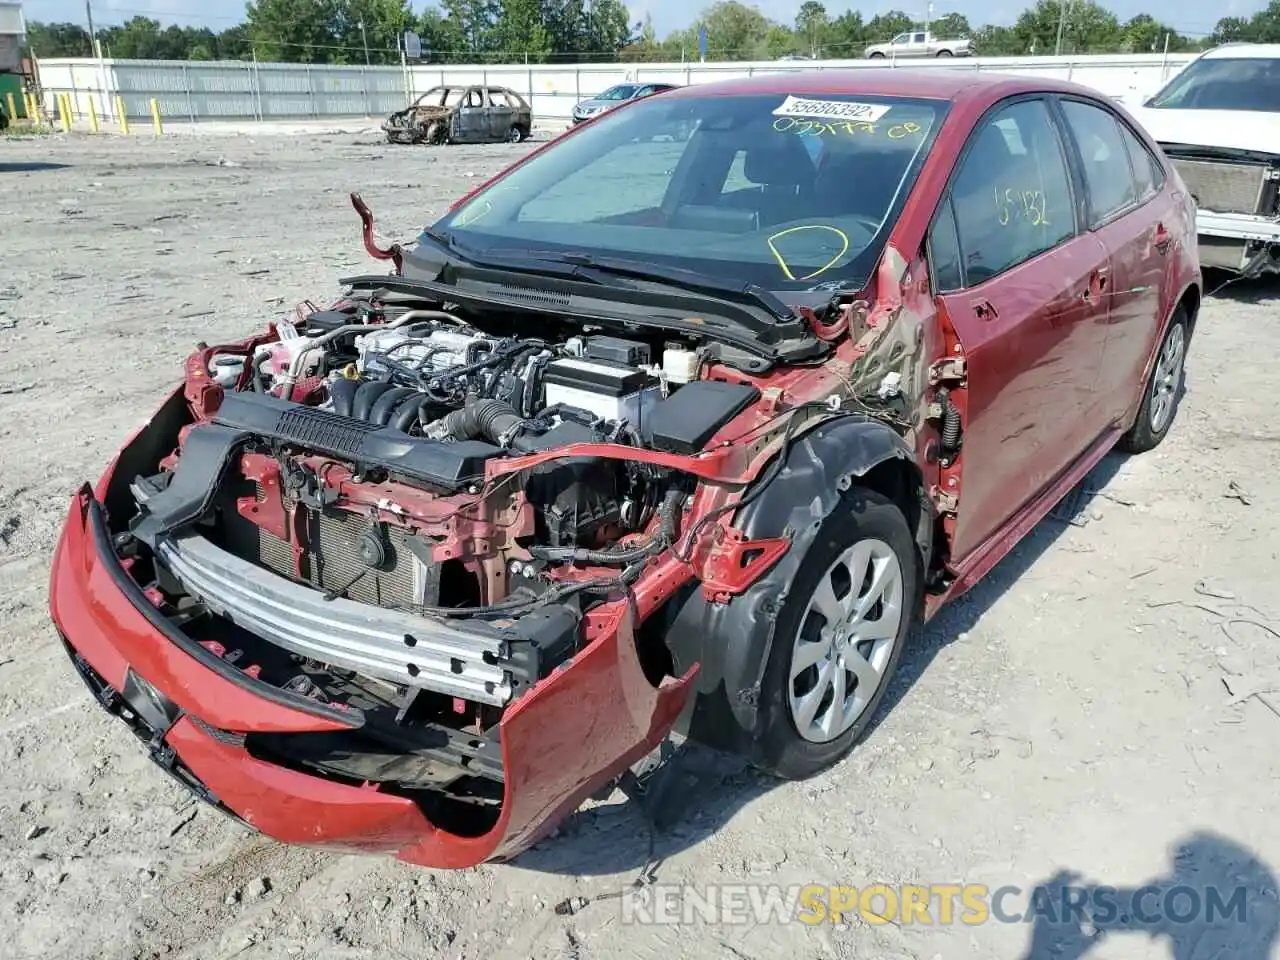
(731, 641)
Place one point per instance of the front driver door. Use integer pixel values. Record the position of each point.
(1020, 283)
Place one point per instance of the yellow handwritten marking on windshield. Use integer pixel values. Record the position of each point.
(844, 248)
(1028, 205)
(836, 128)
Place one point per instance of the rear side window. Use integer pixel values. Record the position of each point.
(1105, 160)
(1012, 194)
(1147, 174)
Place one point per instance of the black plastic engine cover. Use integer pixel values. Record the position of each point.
(686, 420)
(446, 466)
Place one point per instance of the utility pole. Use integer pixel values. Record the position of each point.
(363, 36)
(95, 50)
(1063, 7)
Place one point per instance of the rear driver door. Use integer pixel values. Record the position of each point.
(1019, 280)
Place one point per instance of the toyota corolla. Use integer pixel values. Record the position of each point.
(681, 421)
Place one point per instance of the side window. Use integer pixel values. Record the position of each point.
(944, 250)
(917, 38)
(1147, 172)
(1011, 196)
(1105, 160)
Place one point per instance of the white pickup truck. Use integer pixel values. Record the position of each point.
(920, 43)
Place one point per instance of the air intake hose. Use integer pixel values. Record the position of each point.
(485, 420)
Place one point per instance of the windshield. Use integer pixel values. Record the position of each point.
(1245, 83)
(617, 93)
(784, 192)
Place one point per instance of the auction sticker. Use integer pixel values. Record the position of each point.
(830, 109)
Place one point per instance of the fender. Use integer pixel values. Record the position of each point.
(732, 640)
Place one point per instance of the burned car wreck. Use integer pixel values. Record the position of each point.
(462, 114)
(663, 428)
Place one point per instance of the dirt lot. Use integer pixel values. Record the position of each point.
(1081, 711)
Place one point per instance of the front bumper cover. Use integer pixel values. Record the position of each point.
(564, 739)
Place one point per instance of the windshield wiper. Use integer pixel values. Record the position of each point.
(679, 277)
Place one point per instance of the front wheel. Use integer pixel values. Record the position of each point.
(1163, 392)
(839, 637)
(945, 53)
(877, 55)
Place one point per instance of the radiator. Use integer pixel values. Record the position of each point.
(1225, 187)
(333, 561)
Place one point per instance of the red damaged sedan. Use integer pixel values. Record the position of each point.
(681, 421)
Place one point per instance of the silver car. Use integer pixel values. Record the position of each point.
(616, 95)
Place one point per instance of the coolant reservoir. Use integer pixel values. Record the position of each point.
(679, 365)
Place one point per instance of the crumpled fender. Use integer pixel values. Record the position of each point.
(731, 641)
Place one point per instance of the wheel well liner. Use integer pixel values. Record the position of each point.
(732, 640)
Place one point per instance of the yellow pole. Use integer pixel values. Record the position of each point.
(155, 116)
(13, 107)
(64, 112)
(33, 107)
(124, 117)
(93, 116)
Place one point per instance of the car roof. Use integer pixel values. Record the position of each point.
(931, 84)
(1239, 51)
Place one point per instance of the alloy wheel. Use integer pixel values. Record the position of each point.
(1168, 377)
(846, 640)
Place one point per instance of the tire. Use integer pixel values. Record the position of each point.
(877, 55)
(1163, 392)
(515, 134)
(868, 523)
(944, 53)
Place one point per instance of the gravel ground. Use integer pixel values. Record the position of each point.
(1087, 709)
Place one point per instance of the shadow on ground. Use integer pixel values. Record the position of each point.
(29, 166)
(1217, 900)
(704, 789)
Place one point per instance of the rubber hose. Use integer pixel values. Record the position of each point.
(366, 395)
(950, 421)
(488, 419)
(343, 393)
(406, 414)
(666, 535)
(382, 408)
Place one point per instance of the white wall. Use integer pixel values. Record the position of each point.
(238, 89)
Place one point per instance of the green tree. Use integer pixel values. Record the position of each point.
(812, 26)
(1145, 34)
(847, 35)
(521, 30)
(441, 36)
(294, 31)
(58, 39)
(885, 26)
(1088, 28)
(1232, 30)
(992, 41)
(384, 22)
(950, 26)
(735, 31)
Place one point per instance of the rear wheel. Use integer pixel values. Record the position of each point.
(877, 55)
(1164, 390)
(839, 637)
(515, 134)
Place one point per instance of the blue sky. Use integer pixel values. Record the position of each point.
(1188, 16)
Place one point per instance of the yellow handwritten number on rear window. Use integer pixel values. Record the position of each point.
(1027, 205)
(786, 270)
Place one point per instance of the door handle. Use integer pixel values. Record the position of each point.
(1163, 238)
(983, 310)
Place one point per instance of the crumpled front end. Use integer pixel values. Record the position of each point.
(1237, 198)
(335, 771)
